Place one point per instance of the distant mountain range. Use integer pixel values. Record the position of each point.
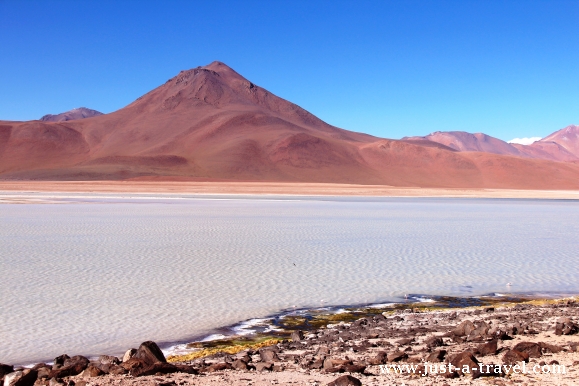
(79, 113)
(210, 123)
(562, 145)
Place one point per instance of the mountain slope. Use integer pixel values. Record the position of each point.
(212, 123)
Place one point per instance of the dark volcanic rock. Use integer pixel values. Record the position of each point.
(379, 359)
(345, 380)
(512, 357)
(353, 368)
(158, 367)
(436, 356)
(464, 360)
(71, 366)
(434, 341)
(396, 356)
(92, 371)
(489, 348)
(532, 349)
(116, 370)
(150, 353)
(59, 360)
(550, 347)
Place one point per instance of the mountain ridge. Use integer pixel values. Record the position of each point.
(212, 123)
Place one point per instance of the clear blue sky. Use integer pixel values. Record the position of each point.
(388, 68)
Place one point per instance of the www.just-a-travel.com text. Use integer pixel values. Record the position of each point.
(435, 368)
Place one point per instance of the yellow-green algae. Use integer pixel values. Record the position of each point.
(231, 347)
(317, 319)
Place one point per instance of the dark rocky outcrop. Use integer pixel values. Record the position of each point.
(345, 380)
(71, 366)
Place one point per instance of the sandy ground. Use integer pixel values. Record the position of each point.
(277, 188)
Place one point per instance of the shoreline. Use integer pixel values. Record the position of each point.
(270, 188)
(358, 344)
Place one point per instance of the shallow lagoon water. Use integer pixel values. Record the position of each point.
(99, 274)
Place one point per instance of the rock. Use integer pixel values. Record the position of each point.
(150, 353)
(264, 366)
(5, 369)
(434, 341)
(187, 369)
(464, 360)
(109, 360)
(116, 370)
(91, 371)
(43, 371)
(54, 382)
(565, 326)
(396, 356)
(157, 367)
(379, 359)
(316, 365)
(71, 366)
(297, 336)
(59, 360)
(489, 348)
(550, 347)
(353, 368)
(335, 365)
(533, 349)
(239, 364)
(464, 328)
(345, 380)
(436, 356)
(26, 377)
(513, 357)
(405, 341)
(218, 367)
(268, 355)
(129, 354)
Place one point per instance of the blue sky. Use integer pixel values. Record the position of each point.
(388, 68)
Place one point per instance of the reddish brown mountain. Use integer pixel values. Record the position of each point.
(211, 123)
(463, 141)
(564, 142)
(562, 145)
(79, 113)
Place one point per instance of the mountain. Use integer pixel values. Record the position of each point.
(564, 142)
(463, 141)
(210, 123)
(79, 113)
(563, 145)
